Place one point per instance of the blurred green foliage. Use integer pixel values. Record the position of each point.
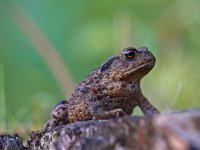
(84, 34)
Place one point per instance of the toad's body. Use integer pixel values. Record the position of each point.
(111, 90)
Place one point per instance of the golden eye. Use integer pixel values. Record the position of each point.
(130, 53)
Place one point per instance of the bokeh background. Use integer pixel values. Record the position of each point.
(47, 47)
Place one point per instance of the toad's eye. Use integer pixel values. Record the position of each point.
(129, 54)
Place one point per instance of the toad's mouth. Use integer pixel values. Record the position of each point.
(147, 65)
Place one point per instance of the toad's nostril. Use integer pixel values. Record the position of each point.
(143, 49)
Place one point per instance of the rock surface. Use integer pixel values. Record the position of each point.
(11, 142)
(175, 131)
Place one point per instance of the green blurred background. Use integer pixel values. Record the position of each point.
(47, 47)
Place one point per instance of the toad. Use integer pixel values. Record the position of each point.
(109, 91)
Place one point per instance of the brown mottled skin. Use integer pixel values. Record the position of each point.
(110, 91)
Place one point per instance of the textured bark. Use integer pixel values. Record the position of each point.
(175, 131)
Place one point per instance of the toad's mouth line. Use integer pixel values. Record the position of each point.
(150, 63)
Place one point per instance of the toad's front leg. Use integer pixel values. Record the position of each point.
(146, 107)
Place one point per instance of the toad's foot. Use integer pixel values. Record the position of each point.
(109, 114)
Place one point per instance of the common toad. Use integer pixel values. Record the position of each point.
(109, 91)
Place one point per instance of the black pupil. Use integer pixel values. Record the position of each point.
(130, 54)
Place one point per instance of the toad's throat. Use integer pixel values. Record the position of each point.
(149, 63)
